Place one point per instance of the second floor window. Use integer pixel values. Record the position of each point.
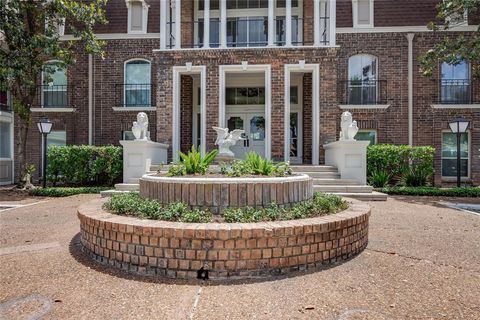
(54, 86)
(137, 86)
(137, 16)
(362, 13)
(247, 32)
(362, 79)
(455, 85)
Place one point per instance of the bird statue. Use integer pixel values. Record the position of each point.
(225, 140)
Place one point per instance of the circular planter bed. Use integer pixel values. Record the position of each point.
(218, 193)
(221, 250)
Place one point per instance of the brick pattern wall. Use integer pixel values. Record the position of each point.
(186, 113)
(179, 250)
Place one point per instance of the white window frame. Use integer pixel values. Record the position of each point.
(125, 80)
(355, 15)
(43, 91)
(145, 7)
(373, 57)
(469, 158)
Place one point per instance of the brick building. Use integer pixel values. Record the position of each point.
(282, 70)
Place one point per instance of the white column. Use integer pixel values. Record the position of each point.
(333, 22)
(206, 24)
(288, 22)
(163, 24)
(271, 22)
(316, 23)
(178, 24)
(410, 37)
(223, 23)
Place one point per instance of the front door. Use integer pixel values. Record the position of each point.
(254, 137)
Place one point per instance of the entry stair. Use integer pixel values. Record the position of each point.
(326, 179)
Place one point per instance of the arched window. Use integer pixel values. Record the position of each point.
(455, 83)
(54, 85)
(362, 79)
(137, 85)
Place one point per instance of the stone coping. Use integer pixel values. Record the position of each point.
(226, 180)
(226, 250)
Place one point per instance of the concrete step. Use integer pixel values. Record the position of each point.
(335, 181)
(373, 196)
(323, 175)
(308, 168)
(343, 189)
(127, 186)
(109, 193)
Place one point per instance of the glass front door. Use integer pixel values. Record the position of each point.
(254, 136)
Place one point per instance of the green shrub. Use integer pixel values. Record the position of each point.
(473, 192)
(413, 177)
(133, 204)
(65, 191)
(379, 179)
(254, 164)
(398, 159)
(84, 164)
(192, 163)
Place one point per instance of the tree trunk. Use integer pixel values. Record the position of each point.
(22, 148)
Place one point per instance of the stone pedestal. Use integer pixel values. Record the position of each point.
(223, 158)
(139, 155)
(350, 158)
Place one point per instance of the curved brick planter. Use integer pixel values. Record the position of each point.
(235, 250)
(216, 194)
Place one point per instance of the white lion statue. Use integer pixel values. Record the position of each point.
(348, 126)
(225, 140)
(140, 127)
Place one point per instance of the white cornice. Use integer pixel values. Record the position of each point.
(403, 29)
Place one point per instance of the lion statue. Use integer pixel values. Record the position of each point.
(140, 127)
(348, 126)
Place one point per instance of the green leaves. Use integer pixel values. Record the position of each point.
(254, 164)
(192, 163)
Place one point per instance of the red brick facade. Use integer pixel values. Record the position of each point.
(391, 49)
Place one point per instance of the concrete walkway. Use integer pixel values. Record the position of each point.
(422, 262)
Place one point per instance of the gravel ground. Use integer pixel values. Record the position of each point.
(422, 262)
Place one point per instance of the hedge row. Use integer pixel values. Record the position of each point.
(65, 191)
(84, 165)
(396, 160)
(432, 191)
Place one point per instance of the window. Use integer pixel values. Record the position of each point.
(54, 86)
(137, 87)
(281, 30)
(294, 95)
(137, 16)
(243, 96)
(247, 32)
(242, 4)
(5, 140)
(449, 154)
(367, 135)
(57, 138)
(362, 79)
(362, 13)
(455, 83)
(4, 101)
(214, 32)
(282, 3)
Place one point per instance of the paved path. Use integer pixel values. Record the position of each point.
(422, 262)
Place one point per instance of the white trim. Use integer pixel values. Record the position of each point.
(137, 109)
(288, 23)
(363, 106)
(178, 71)
(144, 17)
(178, 24)
(332, 22)
(355, 15)
(125, 81)
(316, 23)
(163, 24)
(410, 37)
(315, 70)
(404, 29)
(250, 68)
(52, 109)
(247, 48)
(206, 24)
(455, 106)
(223, 24)
(116, 36)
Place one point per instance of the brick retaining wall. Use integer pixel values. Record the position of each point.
(235, 250)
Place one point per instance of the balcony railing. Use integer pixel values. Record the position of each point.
(135, 95)
(363, 92)
(457, 91)
(249, 32)
(54, 96)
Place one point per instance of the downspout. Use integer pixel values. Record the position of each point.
(410, 37)
(90, 99)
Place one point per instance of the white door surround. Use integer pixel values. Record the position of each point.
(178, 71)
(247, 68)
(315, 70)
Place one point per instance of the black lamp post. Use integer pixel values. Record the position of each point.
(45, 127)
(459, 126)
